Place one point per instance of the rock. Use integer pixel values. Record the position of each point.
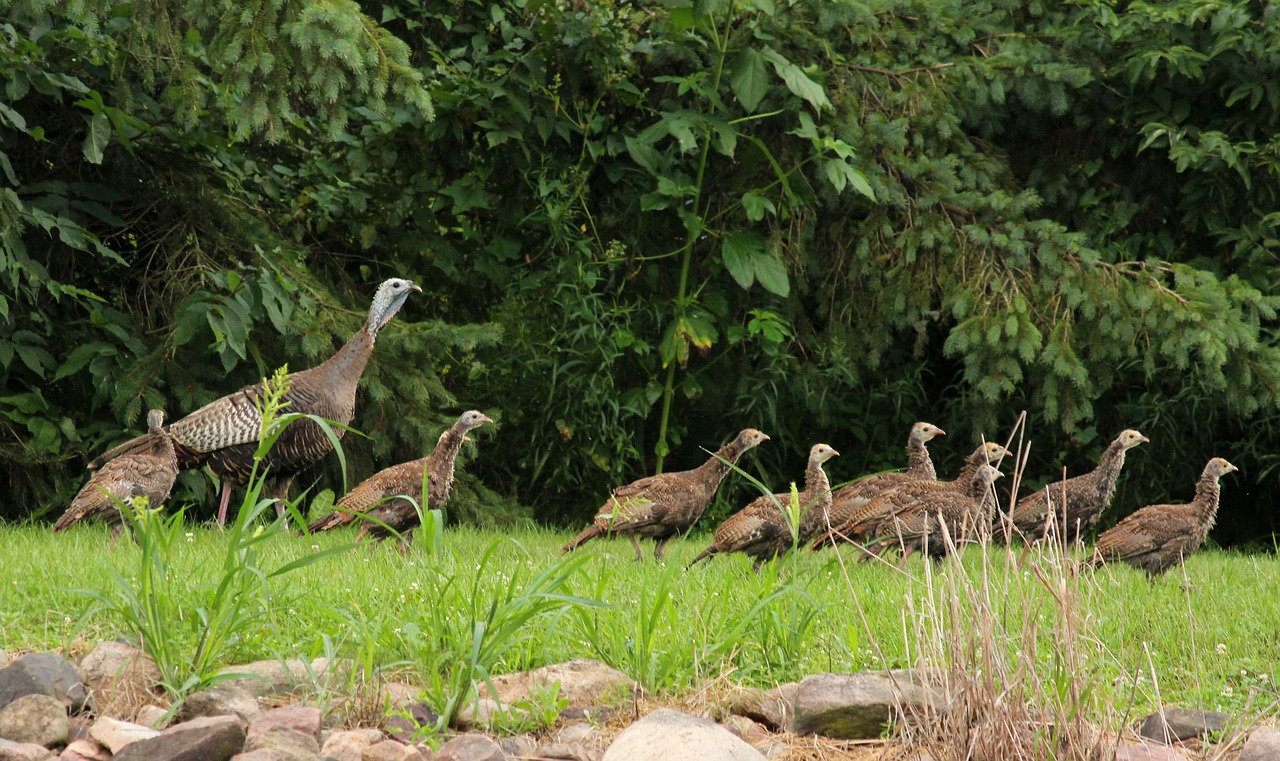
(477, 712)
(854, 706)
(470, 748)
(12, 751)
(398, 695)
(1263, 745)
(583, 682)
(117, 735)
(153, 716)
(41, 674)
(597, 714)
(299, 718)
(1148, 753)
(773, 708)
(347, 746)
(5, 660)
(209, 738)
(223, 700)
(568, 751)
(518, 746)
(261, 754)
(1170, 725)
(282, 677)
(390, 750)
(752, 732)
(38, 719)
(85, 750)
(287, 744)
(667, 734)
(404, 728)
(575, 733)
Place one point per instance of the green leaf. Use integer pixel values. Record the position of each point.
(797, 81)
(756, 205)
(644, 154)
(97, 138)
(834, 169)
(772, 275)
(748, 79)
(737, 255)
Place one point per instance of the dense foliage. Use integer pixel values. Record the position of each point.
(644, 226)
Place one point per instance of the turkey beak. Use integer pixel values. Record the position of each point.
(486, 419)
(1144, 439)
(938, 431)
(415, 286)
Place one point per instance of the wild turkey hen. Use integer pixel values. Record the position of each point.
(846, 501)
(1157, 537)
(875, 518)
(760, 529)
(1086, 496)
(966, 515)
(668, 504)
(381, 496)
(224, 433)
(148, 470)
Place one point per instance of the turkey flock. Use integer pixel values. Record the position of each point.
(909, 511)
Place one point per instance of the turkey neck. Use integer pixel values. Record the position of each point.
(341, 373)
(815, 500)
(918, 463)
(447, 449)
(714, 470)
(1108, 471)
(1206, 503)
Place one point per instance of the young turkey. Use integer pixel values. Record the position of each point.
(668, 504)
(965, 515)
(761, 529)
(147, 470)
(1157, 537)
(224, 433)
(383, 499)
(1086, 496)
(846, 501)
(875, 518)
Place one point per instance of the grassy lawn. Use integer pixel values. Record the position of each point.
(1211, 640)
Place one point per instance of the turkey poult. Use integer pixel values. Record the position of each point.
(668, 504)
(1157, 537)
(966, 516)
(846, 501)
(147, 470)
(1086, 497)
(224, 433)
(760, 529)
(381, 497)
(875, 518)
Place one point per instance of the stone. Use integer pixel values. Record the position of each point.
(1263, 744)
(390, 750)
(750, 730)
(567, 751)
(85, 750)
(116, 735)
(209, 738)
(1148, 753)
(118, 677)
(667, 734)
(404, 727)
(583, 682)
(575, 733)
(1170, 725)
(518, 746)
(12, 751)
(5, 660)
(223, 700)
(262, 754)
(300, 718)
(288, 744)
(597, 714)
(398, 695)
(153, 716)
(854, 706)
(41, 674)
(773, 708)
(39, 719)
(477, 712)
(470, 748)
(347, 746)
(282, 676)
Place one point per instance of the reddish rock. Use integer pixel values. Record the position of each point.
(470, 748)
(211, 738)
(298, 718)
(117, 735)
(12, 751)
(1148, 753)
(85, 750)
(390, 750)
(583, 682)
(347, 746)
(1263, 745)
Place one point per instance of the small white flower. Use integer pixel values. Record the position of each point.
(1226, 691)
(315, 548)
(1221, 648)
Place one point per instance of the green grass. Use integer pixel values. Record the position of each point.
(1215, 645)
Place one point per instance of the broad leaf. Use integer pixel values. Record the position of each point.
(772, 274)
(97, 138)
(748, 79)
(737, 255)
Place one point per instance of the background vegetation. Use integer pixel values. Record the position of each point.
(644, 226)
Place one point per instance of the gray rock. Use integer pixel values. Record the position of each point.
(210, 738)
(348, 746)
(5, 660)
(1148, 753)
(566, 751)
(114, 673)
(575, 733)
(223, 700)
(855, 706)
(153, 716)
(518, 746)
(38, 719)
(667, 734)
(289, 744)
(583, 682)
(282, 677)
(1263, 745)
(116, 735)
(298, 718)
(12, 751)
(1170, 725)
(773, 708)
(41, 674)
(470, 748)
